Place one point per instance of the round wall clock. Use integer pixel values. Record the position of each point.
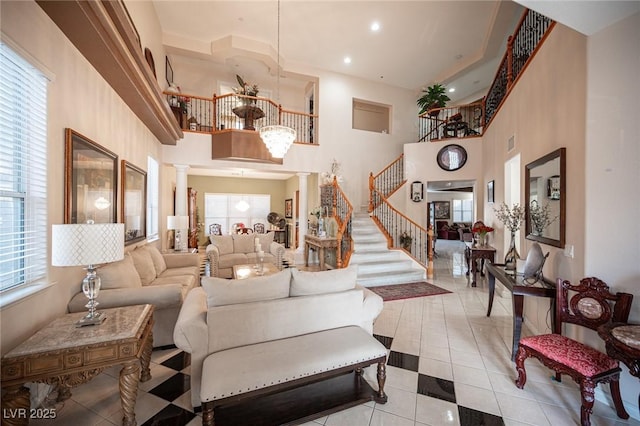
(452, 157)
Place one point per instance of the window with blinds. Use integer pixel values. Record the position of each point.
(153, 208)
(232, 209)
(23, 171)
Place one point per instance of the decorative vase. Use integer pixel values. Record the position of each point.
(512, 254)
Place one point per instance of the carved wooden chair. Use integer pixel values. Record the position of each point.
(258, 228)
(215, 229)
(590, 305)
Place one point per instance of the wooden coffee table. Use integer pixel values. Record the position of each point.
(66, 356)
(242, 272)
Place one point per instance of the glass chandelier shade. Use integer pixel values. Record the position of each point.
(278, 139)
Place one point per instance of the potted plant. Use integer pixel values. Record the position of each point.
(405, 240)
(433, 97)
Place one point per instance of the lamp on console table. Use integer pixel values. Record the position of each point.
(88, 244)
(179, 224)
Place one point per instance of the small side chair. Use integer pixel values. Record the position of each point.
(591, 305)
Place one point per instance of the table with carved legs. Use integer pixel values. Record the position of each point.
(66, 356)
(472, 254)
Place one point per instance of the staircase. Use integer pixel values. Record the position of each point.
(377, 265)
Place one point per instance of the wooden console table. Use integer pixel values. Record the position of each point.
(623, 343)
(66, 356)
(321, 244)
(518, 288)
(472, 253)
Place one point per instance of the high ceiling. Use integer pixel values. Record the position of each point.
(419, 42)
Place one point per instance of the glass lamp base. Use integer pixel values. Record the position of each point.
(97, 319)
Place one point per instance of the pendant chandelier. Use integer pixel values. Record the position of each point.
(278, 138)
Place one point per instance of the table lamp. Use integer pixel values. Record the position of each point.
(88, 244)
(178, 224)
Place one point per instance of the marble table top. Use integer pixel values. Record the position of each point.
(628, 334)
(121, 324)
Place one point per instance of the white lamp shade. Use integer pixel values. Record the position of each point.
(177, 222)
(86, 244)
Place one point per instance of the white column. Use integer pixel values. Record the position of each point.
(181, 189)
(302, 219)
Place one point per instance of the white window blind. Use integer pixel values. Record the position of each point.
(463, 210)
(223, 209)
(23, 171)
(153, 187)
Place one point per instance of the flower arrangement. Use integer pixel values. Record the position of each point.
(327, 177)
(540, 217)
(511, 217)
(405, 240)
(482, 230)
(245, 88)
(316, 211)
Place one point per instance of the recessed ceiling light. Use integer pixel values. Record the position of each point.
(375, 26)
(452, 89)
(347, 59)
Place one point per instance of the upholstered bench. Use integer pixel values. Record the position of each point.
(260, 369)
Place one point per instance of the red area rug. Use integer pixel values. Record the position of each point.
(407, 291)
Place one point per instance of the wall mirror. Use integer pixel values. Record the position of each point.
(545, 192)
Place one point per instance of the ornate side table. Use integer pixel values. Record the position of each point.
(623, 343)
(476, 252)
(66, 356)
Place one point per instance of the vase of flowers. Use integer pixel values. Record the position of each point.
(405, 240)
(512, 219)
(540, 217)
(482, 231)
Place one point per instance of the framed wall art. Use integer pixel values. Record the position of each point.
(288, 208)
(490, 192)
(441, 209)
(134, 202)
(90, 176)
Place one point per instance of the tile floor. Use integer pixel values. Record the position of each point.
(448, 365)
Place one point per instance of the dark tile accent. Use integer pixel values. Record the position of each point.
(471, 417)
(406, 361)
(436, 388)
(386, 341)
(178, 362)
(173, 387)
(171, 415)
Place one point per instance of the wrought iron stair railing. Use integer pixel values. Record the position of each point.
(388, 181)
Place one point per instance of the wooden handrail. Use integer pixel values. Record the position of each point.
(340, 208)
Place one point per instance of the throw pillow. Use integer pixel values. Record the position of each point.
(265, 240)
(306, 283)
(144, 265)
(221, 292)
(245, 243)
(158, 260)
(120, 274)
(223, 242)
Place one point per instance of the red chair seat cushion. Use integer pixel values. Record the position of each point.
(575, 355)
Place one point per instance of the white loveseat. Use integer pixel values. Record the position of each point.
(147, 276)
(226, 251)
(224, 316)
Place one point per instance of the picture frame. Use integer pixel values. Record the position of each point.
(417, 191)
(288, 208)
(451, 157)
(133, 210)
(490, 192)
(91, 176)
(168, 72)
(441, 209)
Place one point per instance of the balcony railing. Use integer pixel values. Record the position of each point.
(451, 122)
(210, 115)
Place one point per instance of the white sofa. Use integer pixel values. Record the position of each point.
(147, 276)
(223, 316)
(225, 251)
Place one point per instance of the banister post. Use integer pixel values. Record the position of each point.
(510, 41)
(430, 250)
(371, 192)
(214, 111)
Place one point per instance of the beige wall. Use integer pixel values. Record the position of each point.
(76, 93)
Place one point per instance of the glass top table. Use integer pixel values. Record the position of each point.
(519, 288)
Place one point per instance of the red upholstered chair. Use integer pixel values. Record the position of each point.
(590, 305)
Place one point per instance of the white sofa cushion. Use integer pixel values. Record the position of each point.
(221, 292)
(265, 240)
(245, 243)
(223, 242)
(144, 265)
(305, 283)
(158, 260)
(119, 274)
